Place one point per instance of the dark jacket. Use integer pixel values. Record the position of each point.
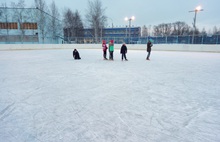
(123, 49)
(76, 54)
(149, 45)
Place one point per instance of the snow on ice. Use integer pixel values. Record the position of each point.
(46, 96)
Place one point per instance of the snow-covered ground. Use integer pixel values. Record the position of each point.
(46, 96)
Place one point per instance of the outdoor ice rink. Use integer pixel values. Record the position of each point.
(46, 96)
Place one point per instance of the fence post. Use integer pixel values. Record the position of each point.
(202, 39)
(188, 39)
(177, 37)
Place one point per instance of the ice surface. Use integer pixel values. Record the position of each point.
(46, 96)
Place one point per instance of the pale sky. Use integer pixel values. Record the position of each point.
(147, 12)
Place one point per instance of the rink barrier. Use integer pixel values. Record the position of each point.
(156, 47)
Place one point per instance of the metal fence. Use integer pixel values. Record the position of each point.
(29, 39)
(201, 39)
(214, 39)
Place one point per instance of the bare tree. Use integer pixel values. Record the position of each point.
(166, 29)
(180, 28)
(156, 31)
(78, 28)
(145, 31)
(20, 15)
(162, 29)
(42, 18)
(73, 26)
(68, 26)
(215, 30)
(177, 28)
(96, 18)
(203, 32)
(54, 24)
(149, 30)
(4, 17)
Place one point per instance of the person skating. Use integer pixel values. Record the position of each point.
(104, 47)
(123, 52)
(149, 45)
(111, 49)
(76, 55)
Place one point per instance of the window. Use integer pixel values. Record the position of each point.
(28, 26)
(8, 25)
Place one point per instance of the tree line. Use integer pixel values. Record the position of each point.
(178, 28)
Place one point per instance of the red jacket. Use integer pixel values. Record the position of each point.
(104, 47)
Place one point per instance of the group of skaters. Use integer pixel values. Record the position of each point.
(123, 50)
(110, 48)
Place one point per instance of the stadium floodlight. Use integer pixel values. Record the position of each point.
(196, 10)
(129, 19)
(126, 18)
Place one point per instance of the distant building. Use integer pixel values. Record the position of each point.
(28, 25)
(118, 34)
(13, 32)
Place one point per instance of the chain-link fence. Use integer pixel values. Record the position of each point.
(34, 39)
(201, 39)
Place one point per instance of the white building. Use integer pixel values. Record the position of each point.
(28, 25)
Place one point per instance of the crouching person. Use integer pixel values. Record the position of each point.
(76, 54)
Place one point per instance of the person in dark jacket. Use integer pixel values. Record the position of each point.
(123, 52)
(76, 54)
(149, 45)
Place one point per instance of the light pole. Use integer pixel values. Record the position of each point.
(111, 20)
(129, 19)
(198, 8)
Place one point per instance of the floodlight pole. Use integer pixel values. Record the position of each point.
(130, 30)
(129, 34)
(194, 22)
(111, 21)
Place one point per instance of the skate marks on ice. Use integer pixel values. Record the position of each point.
(91, 100)
(6, 111)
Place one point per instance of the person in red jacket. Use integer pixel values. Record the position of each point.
(104, 48)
